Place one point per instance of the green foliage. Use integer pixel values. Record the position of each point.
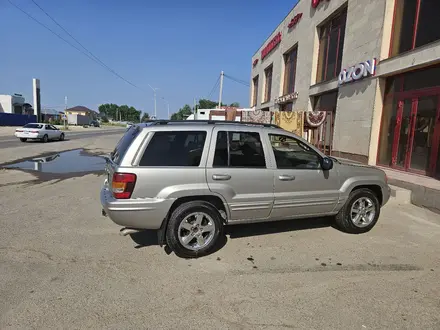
(207, 104)
(182, 114)
(235, 104)
(120, 112)
(145, 117)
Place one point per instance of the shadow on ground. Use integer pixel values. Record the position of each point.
(149, 237)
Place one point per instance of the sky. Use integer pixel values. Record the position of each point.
(179, 47)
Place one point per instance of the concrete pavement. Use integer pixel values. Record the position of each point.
(63, 266)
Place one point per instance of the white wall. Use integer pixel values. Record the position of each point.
(6, 104)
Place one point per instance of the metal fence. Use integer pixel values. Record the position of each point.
(11, 119)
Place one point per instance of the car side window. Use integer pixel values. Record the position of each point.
(174, 148)
(239, 149)
(48, 127)
(291, 153)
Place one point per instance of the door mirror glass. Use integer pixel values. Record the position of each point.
(327, 164)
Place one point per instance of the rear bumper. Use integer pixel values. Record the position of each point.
(139, 213)
(21, 135)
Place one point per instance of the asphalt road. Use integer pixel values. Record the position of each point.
(64, 266)
(12, 142)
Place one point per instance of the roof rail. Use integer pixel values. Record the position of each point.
(209, 122)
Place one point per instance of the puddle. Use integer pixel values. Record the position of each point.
(73, 161)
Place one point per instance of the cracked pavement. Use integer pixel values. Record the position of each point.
(64, 266)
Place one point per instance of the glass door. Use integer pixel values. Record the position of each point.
(402, 134)
(423, 129)
(417, 135)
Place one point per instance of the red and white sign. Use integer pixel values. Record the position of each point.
(271, 45)
(315, 3)
(294, 20)
(255, 62)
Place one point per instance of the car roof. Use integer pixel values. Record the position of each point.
(203, 123)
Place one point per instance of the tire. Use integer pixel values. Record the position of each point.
(62, 137)
(23, 139)
(183, 223)
(45, 138)
(346, 218)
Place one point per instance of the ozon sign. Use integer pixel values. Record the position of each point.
(359, 71)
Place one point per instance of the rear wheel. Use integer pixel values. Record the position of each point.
(45, 138)
(194, 229)
(62, 137)
(23, 139)
(360, 213)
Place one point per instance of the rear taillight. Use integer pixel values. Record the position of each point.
(19, 130)
(34, 131)
(123, 185)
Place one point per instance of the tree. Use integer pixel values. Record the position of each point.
(182, 114)
(207, 104)
(110, 110)
(145, 117)
(235, 105)
(122, 113)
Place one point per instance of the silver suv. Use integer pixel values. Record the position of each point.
(188, 179)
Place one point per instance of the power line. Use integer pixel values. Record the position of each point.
(91, 56)
(214, 88)
(243, 82)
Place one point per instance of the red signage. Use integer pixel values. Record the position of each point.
(271, 45)
(294, 20)
(315, 3)
(255, 62)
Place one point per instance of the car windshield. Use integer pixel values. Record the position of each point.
(33, 126)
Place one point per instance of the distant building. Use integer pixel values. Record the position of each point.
(51, 114)
(82, 111)
(12, 104)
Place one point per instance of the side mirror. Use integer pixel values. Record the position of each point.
(327, 164)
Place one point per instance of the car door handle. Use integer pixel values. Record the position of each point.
(284, 177)
(221, 177)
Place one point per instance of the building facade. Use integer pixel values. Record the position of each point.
(366, 74)
(12, 104)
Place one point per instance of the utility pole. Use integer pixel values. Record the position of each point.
(168, 107)
(154, 92)
(195, 109)
(65, 111)
(221, 90)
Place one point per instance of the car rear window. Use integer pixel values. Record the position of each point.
(124, 143)
(174, 148)
(33, 126)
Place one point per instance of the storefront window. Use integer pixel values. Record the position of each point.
(268, 89)
(290, 71)
(255, 91)
(331, 44)
(387, 131)
(416, 24)
(322, 135)
(286, 107)
(410, 129)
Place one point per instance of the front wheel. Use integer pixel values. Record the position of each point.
(360, 213)
(23, 139)
(62, 137)
(45, 138)
(194, 229)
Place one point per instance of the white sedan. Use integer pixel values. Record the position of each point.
(36, 131)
